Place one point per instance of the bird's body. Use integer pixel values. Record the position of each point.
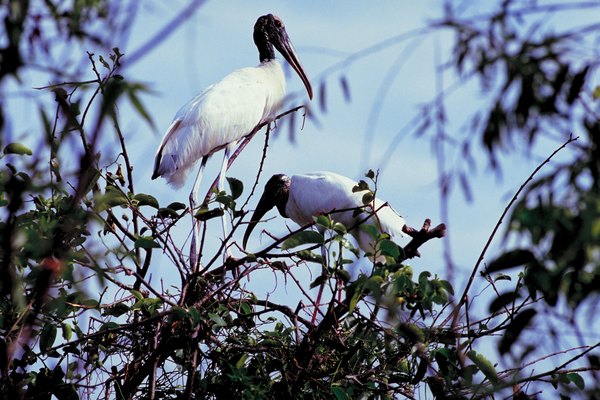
(222, 114)
(303, 197)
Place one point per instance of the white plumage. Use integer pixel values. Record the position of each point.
(230, 109)
(223, 113)
(302, 197)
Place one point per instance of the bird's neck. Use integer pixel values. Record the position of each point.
(266, 52)
(282, 200)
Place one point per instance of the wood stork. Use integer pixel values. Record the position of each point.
(302, 197)
(228, 111)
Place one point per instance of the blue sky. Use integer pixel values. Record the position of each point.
(217, 40)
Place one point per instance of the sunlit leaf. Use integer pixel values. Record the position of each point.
(67, 331)
(484, 365)
(217, 319)
(112, 197)
(323, 220)
(17, 148)
(300, 238)
(389, 248)
(146, 200)
(47, 337)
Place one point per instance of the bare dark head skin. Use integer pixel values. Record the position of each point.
(276, 193)
(269, 31)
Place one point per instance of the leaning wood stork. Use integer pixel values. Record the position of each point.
(229, 110)
(303, 197)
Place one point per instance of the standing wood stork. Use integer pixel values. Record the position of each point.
(228, 111)
(302, 197)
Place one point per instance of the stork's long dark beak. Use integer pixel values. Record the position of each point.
(265, 203)
(283, 44)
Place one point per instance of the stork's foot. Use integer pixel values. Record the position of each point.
(419, 237)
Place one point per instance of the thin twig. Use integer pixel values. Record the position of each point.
(454, 315)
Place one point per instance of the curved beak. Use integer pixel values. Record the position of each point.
(283, 44)
(264, 205)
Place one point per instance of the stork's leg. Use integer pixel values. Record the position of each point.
(221, 187)
(195, 223)
(318, 301)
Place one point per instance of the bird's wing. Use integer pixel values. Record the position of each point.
(224, 113)
(321, 192)
(159, 153)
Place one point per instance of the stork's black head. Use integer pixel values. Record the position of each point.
(269, 31)
(276, 194)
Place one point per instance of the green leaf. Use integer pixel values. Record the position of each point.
(236, 186)
(339, 393)
(204, 214)
(146, 242)
(320, 280)
(389, 248)
(176, 206)
(17, 148)
(112, 197)
(577, 380)
(360, 186)
(242, 361)
(194, 315)
(67, 331)
(510, 259)
(166, 212)
(109, 325)
(146, 200)
(484, 365)
(245, 308)
(308, 255)
(596, 93)
(340, 228)
(217, 319)
(370, 229)
(323, 220)
(137, 294)
(47, 337)
(304, 237)
(116, 310)
(447, 286)
(502, 301)
(343, 275)
(514, 329)
(137, 104)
